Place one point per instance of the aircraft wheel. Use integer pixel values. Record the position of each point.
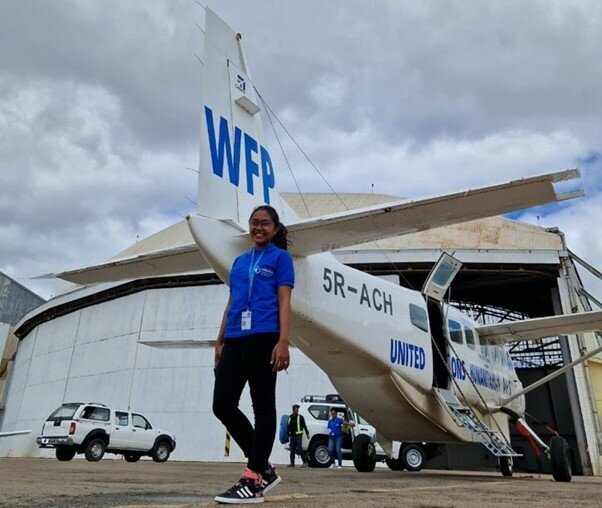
(561, 459)
(506, 466)
(363, 453)
(412, 457)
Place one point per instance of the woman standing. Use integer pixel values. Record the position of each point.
(335, 438)
(252, 346)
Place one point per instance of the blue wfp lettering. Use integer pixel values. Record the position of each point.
(221, 150)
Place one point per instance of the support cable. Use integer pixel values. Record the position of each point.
(284, 154)
(376, 226)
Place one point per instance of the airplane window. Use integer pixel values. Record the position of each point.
(455, 331)
(443, 274)
(498, 355)
(469, 338)
(418, 317)
(483, 350)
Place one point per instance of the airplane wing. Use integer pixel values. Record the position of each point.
(403, 217)
(179, 259)
(539, 328)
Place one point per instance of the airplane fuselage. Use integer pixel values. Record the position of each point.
(373, 339)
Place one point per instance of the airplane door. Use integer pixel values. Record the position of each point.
(434, 289)
(441, 277)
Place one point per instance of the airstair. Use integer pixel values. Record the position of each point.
(467, 418)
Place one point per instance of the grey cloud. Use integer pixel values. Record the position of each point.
(143, 53)
(100, 105)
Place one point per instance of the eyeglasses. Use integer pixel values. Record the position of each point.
(265, 223)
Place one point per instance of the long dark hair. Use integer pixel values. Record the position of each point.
(279, 239)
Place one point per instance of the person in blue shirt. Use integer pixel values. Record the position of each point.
(251, 347)
(335, 438)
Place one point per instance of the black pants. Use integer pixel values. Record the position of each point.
(295, 444)
(248, 360)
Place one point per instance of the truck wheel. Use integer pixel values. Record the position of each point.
(64, 453)
(161, 452)
(394, 464)
(561, 459)
(317, 454)
(95, 449)
(363, 453)
(506, 466)
(412, 457)
(131, 457)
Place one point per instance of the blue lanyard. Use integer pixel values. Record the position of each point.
(252, 267)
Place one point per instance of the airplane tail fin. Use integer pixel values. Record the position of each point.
(236, 172)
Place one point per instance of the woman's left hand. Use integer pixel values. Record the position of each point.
(280, 357)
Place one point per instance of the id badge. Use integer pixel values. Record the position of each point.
(245, 322)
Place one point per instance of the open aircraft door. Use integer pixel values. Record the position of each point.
(441, 277)
(434, 289)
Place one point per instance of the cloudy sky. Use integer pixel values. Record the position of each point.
(100, 111)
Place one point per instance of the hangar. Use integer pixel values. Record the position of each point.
(93, 343)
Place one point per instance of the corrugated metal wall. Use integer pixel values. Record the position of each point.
(15, 300)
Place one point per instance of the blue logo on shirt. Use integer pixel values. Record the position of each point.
(264, 271)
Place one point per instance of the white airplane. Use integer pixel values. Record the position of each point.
(418, 369)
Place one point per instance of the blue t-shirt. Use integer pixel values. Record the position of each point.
(273, 268)
(334, 426)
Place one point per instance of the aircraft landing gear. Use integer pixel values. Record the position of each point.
(506, 466)
(412, 457)
(558, 451)
(363, 453)
(561, 459)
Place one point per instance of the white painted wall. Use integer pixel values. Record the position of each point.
(93, 355)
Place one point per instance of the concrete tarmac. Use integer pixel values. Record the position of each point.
(116, 483)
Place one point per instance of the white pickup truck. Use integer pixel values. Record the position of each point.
(359, 441)
(316, 412)
(93, 429)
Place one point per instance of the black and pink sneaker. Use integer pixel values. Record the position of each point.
(271, 478)
(249, 489)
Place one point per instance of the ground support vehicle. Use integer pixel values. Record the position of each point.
(359, 442)
(94, 429)
(316, 411)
